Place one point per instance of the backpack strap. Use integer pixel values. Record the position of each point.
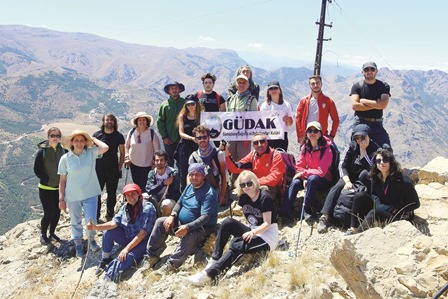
(249, 101)
(197, 158)
(133, 130)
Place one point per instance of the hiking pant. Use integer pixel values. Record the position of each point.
(187, 245)
(365, 212)
(238, 247)
(314, 183)
(52, 213)
(134, 256)
(108, 177)
(140, 175)
(170, 149)
(76, 209)
(377, 131)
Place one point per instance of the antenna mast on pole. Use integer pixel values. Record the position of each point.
(320, 37)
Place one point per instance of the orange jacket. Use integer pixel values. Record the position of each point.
(326, 107)
(268, 169)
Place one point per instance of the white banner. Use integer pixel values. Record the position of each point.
(231, 126)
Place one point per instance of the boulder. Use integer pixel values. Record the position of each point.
(435, 171)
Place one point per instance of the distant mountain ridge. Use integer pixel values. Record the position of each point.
(48, 76)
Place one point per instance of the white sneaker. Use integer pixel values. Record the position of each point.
(210, 263)
(199, 279)
(94, 246)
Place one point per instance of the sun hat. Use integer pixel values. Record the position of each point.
(314, 124)
(175, 83)
(198, 167)
(67, 140)
(132, 187)
(142, 114)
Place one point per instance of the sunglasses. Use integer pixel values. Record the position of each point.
(315, 131)
(369, 69)
(246, 184)
(203, 137)
(55, 136)
(191, 104)
(260, 142)
(139, 140)
(360, 137)
(384, 160)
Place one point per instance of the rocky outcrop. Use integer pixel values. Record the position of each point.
(400, 261)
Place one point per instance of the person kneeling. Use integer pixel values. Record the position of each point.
(260, 236)
(130, 228)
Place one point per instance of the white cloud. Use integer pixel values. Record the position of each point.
(206, 38)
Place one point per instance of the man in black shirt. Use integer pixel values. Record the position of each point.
(108, 167)
(369, 98)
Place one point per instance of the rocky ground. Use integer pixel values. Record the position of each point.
(399, 261)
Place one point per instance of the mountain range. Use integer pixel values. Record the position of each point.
(48, 76)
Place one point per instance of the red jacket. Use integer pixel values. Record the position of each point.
(268, 169)
(326, 107)
(310, 163)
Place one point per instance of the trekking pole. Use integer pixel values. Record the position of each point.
(85, 261)
(441, 292)
(126, 176)
(300, 227)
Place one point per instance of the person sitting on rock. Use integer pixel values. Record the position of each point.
(163, 185)
(261, 235)
(192, 219)
(357, 160)
(266, 163)
(392, 195)
(129, 228)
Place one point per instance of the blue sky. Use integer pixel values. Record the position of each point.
(397, 34)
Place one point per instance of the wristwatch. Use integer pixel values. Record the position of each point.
(174, 214)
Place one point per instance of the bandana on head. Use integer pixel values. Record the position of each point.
(198, 167)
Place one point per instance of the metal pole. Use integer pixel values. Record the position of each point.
(320, 37)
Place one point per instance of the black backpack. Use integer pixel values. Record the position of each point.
(334, 167)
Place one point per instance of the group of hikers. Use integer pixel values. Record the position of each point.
(182, 177)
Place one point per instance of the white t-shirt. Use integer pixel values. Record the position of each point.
(283, 109)
(313, 111)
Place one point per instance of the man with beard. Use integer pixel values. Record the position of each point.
(167, 121)
(316, 107)
(108, 168)
(213, 161)
(369, 98)
(163, 184)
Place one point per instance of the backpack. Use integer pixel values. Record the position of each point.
(342, 210)
(290, 172)
(334, 166)
(218, 97)
(212, 179)
(133, 130)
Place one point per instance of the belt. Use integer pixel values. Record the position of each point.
(372, 120)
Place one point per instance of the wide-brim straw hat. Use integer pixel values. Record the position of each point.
(67, 140)
(142, 114)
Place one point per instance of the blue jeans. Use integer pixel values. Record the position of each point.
(315, 183)
(134, 256)
(75, 209)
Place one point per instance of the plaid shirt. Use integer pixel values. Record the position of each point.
(145, 220)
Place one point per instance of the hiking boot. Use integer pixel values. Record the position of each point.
(94, 247)
(79, 250)
(210, 263)
(323, 225)
(103, 265)
(310, 218)
(55, 238)
(350, 232)
(149, 261)
(44, 240)
(166, 269)
(199, 279)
